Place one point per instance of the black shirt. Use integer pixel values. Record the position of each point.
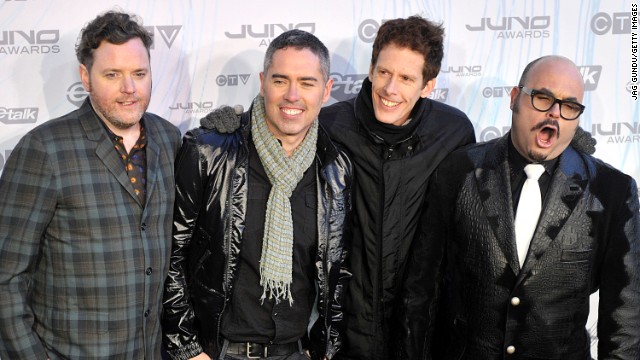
(516, 167)
(247, 320)
(135, 161)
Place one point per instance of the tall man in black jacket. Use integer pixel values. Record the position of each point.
(396, 137)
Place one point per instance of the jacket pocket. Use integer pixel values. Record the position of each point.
(575, 255)
(199, 251)
(207, 306)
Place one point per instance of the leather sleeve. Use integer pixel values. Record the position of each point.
(326, 334)
(179, 335)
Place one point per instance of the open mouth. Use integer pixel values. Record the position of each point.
(291, 112)
(546, 135)
(389, 103)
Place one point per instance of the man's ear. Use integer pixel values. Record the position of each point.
(514, 96)
(428, 88)
(84, 77)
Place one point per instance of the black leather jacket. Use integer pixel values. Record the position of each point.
(211, 194)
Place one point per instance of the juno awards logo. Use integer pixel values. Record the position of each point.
(27, 42)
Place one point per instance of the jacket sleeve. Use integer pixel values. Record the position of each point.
(179, 335)
(27, 204)
(417, 297)
(618, 314)
(326, 333)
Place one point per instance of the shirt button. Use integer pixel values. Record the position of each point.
(515, 301)
(143, 227)
(511, 349)
(146, 313)
(149, 271)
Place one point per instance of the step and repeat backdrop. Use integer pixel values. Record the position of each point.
(209, 53)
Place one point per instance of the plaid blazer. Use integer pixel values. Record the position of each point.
(82, 262)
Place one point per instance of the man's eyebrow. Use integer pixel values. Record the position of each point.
(549, 92)
(304, 78)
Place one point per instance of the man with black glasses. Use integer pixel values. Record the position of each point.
(531, 227)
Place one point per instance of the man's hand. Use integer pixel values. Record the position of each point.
(583, 141)
(225, 119)
(202, 356)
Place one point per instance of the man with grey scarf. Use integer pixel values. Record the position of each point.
(259, 235)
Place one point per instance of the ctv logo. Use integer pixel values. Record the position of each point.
(496, 91)
(616, 23)
(168, 33)
(492, 132)
(590, 77)
(232, 80)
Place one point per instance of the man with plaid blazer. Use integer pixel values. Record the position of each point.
(86, 205)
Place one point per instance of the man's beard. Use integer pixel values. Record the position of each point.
(110, 113)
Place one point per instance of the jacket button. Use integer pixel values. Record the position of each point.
(511, 349)
(515, 301)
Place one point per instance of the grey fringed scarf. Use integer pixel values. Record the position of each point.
(284, 174)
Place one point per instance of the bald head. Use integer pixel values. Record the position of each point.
(551, 60)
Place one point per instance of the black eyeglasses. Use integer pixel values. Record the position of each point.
(541, 101)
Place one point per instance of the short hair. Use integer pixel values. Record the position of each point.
(419, 35)
(299, 40)
(114, 27)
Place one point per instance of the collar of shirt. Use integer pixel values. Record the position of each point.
(517, 162)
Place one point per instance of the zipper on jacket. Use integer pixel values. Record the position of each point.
(228, 247)
(379, 308)
(327, 215)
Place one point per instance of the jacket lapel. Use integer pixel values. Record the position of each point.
(104, 147)
(567, 187)
(153, 156)
(494, 187)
